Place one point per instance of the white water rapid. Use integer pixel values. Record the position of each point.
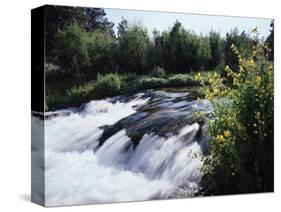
(79, 171)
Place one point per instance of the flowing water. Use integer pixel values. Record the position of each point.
(127, 148)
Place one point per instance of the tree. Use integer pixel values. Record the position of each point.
(90, 19)
(155, 54)
(270, 42)
(56, 18)
(133, 47)
(184, 51)
(174, 45)
(122, 28)
(203, 54)
(97, 20)
(244, 44)
(216, 48)
(101, 47)
(72, 50)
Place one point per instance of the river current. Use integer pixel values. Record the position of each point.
(126, 148)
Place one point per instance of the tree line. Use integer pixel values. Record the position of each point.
(81, 42)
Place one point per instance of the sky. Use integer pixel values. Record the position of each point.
(198, 23)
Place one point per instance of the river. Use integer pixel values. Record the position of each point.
(126, 148)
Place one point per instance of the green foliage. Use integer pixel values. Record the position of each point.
(58, 17)
(152, 83)
(244, 44)
(67, 93)
(270, 42)
(216, 47)
(84, 49)
(181, 80)
(96, 20)
(158, 72)
(155, 51)
(82, 93)
(241, 130)
(100, 49)
(132, 48)
(72, 50)
(107, 85)
(83, 54)
(184, 51)
(177, 80)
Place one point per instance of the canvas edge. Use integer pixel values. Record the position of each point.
(38, 105)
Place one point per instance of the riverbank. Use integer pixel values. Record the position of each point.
(63, 93)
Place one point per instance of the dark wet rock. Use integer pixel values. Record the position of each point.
(124, 123)
(164, 115)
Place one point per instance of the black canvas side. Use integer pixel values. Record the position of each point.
(37, 105)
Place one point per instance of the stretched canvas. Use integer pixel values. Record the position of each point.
(134, 105)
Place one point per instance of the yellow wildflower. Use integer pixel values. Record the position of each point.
(251, 62)
(216, 75)
(227, 133)
(220, 138)
(216, 90)
(258, 80)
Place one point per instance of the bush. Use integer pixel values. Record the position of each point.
(152, 83)
(241, 131)
(181, 80)
(107, 85)
(128, 77)
(190, 81)
(54, 100)
(80, 94)
(158, 72)
(177, 80)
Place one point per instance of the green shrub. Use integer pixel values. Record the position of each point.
(241, 132)
(177, 80)
(181, 80)
(190, 81)
(128, 77)
(55, 100)
(152, 83)
(158, 72)
(80, 94)
(107, 85)
(131, 86)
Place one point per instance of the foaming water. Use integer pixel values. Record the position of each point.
(79, 171)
